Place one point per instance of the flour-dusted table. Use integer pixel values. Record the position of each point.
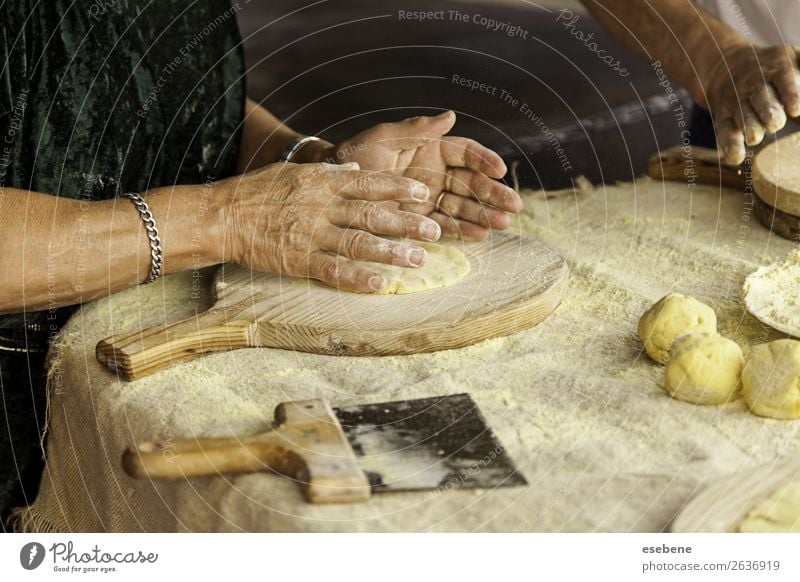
(577, 405)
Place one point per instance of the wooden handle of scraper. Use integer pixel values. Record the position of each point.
(167, 459)
(140, 353)
(308, 445)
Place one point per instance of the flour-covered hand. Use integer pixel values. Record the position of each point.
(750, 91)
(298, 219)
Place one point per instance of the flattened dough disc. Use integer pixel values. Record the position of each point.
(445, 265)
(776, 174)
(723, 506)
(772, 294)
(513, 284)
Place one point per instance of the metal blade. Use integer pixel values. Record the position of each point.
(431, 443)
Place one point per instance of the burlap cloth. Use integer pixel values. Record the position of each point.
(578, 406)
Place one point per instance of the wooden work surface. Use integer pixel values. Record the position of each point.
(573, 400)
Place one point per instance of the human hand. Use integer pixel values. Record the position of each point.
(296, 219)
(466, 200)
(749, 92)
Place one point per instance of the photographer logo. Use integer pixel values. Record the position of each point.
(31, 555)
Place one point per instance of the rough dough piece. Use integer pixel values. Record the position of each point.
(445, 265)
(772, 294)
(779, 513)
(771, 379)
(704, 368)
(672, 316)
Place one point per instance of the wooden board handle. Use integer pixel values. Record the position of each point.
(308, 445)
(701, 165)
(140, 353)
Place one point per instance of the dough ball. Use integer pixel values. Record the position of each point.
(704, 368)
(779, 513)
(771, 379)
(444, 266)
(671, 317)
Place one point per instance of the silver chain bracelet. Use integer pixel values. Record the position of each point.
(156, 253)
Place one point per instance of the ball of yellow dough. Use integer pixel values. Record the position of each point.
(704, 368)
(771, 379)
(673, 316)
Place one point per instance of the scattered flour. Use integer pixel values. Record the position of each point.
(576, 403)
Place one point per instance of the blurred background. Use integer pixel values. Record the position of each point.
(333, 68)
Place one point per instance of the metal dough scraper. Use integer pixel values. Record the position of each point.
(345, 454)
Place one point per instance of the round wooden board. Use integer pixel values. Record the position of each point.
(780, 222)
(513, 284)
(724, 505)
(776, 174)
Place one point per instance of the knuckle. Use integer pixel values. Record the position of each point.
(293, 264)
(329, 270)
(768, 113)
(383, 127)
(356, 244)
(306, 171)
(364, 184)
(370, 216)
(450, 204)
(778, 51)
(772, 103)
(410, 226)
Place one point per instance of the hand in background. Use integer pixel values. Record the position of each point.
(750, 92)
(466, 200)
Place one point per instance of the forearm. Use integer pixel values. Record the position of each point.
(265, 138)
(684, 37)
(58, 251)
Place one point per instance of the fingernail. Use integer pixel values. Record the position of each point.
(430, 231)
(419, 191)
(416, 257)
(377, 283)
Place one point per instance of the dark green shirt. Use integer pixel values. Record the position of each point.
(98, 98)
(109, 96)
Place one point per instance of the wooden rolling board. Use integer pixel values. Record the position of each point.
(514, 283)
(723, 506)
(776, 174)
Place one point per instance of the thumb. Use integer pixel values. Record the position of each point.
(415, 132)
